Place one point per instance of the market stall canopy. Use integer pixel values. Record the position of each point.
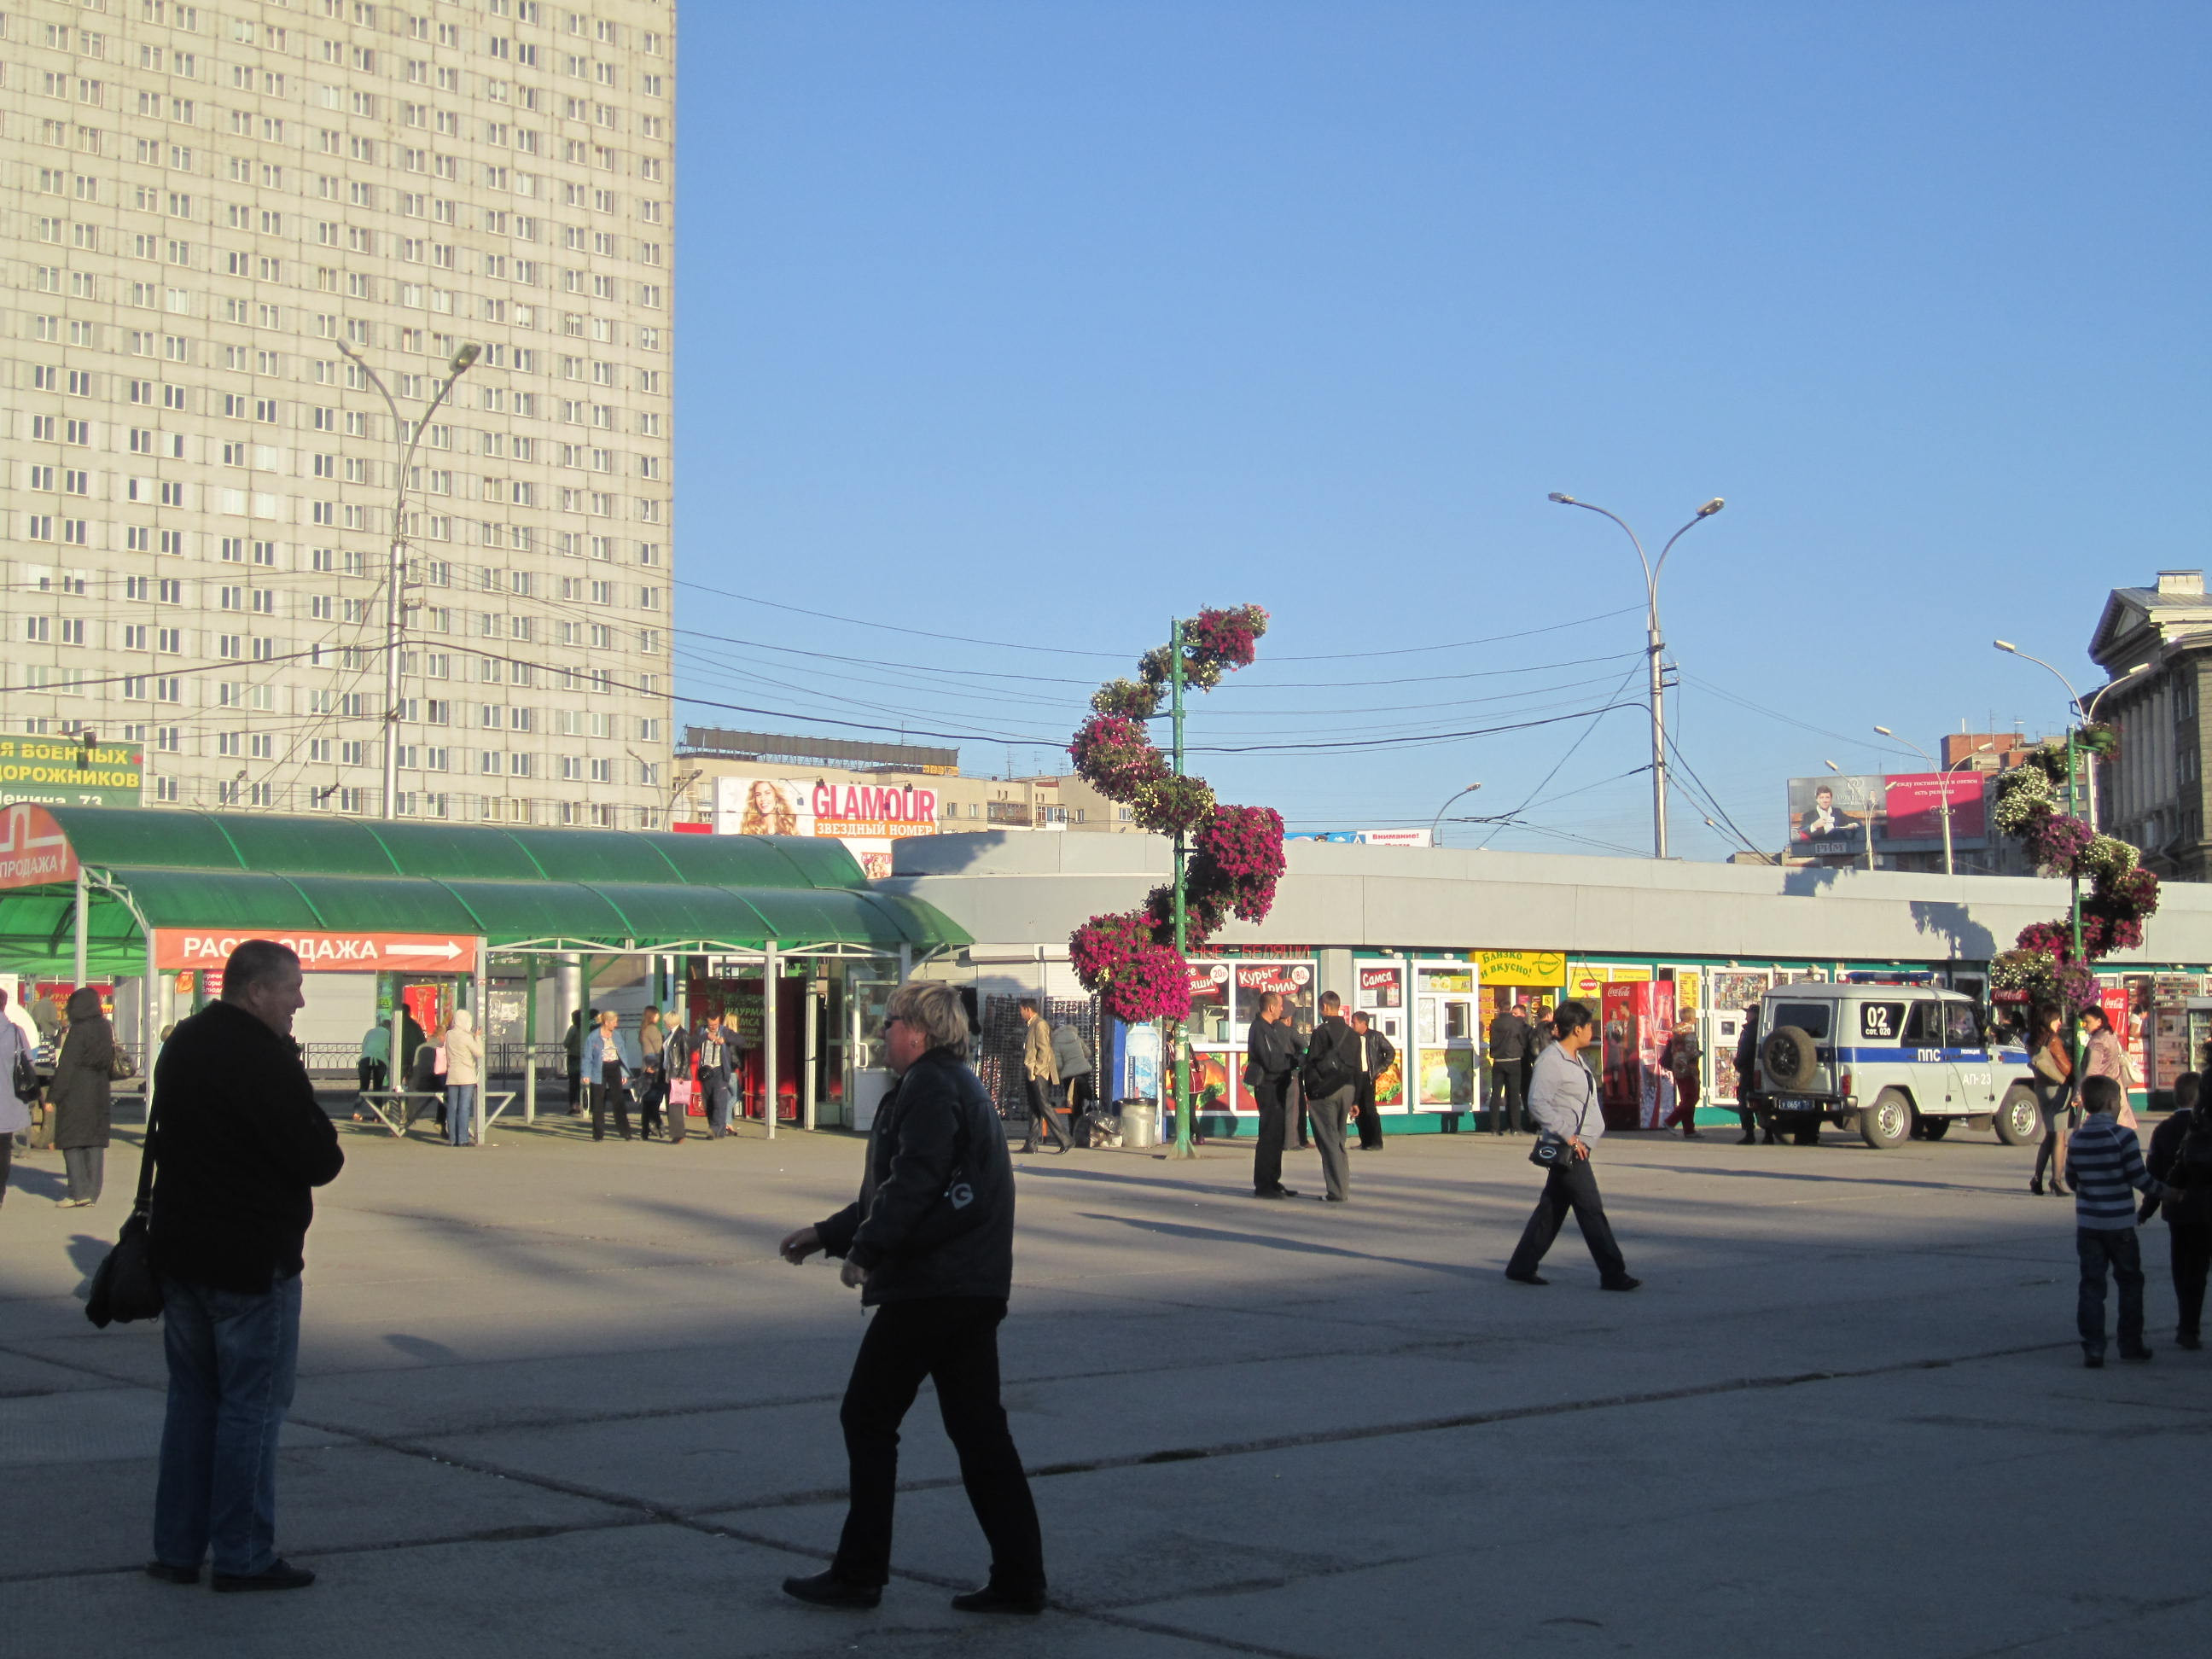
(232, 874)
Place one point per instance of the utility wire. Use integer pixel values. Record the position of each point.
(1611, 702)
(1341, 745)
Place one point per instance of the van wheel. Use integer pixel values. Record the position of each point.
(1888, 1121)
(2018, 1121)
(1931, 1129)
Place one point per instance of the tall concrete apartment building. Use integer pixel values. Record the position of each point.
(218, 219)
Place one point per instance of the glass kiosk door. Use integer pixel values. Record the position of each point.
(1448, 1041)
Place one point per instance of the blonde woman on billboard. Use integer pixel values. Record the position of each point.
(769, 810)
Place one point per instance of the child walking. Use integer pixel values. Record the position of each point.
(2104, 1163)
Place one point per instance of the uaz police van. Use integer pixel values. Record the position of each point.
(1891, 1060)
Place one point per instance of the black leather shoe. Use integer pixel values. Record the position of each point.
(1623, 1283)
(279, 1574)
(993, 1599)
(826, 1589)
(2192, 1343)
(1280, 1192)
(1525, 1279)
(2136, 1356)
(169, 1575)
(2095, 1362)
(1335, 1198)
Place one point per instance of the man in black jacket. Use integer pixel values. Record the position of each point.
(930, 1245)
(1376, 1054)
(1508, 1043)
(1272, 1052)
(239, 1145)
(1330, 1079)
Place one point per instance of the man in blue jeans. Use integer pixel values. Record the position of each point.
(239, 1144)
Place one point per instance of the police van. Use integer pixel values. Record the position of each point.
(1892, 1059)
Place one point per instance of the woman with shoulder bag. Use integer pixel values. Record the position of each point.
(1563, 1099)
(2054, 1100)
(79, 1098)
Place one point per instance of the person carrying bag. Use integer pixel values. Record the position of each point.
(1562, 1100)
(125, 1286)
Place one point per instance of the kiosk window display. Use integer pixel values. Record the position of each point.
(1381, 995)
(1447, 1038)
(1224, 1001)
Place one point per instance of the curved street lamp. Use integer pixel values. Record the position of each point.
(1654, 645)
(1441, 810)
(463, 361)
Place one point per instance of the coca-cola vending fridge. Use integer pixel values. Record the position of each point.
(1633, 1026)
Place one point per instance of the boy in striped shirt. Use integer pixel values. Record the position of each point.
(2104, 1161)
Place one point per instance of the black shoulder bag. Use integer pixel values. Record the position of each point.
(124, 1286)
(1554, 1151)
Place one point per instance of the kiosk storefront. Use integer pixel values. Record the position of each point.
(420, 910)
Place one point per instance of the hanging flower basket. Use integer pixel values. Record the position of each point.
(1237, 852)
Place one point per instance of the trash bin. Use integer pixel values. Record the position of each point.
(1140, 1122)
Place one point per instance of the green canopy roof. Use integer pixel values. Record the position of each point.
(545, 889)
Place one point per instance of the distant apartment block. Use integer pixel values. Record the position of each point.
(205, 208)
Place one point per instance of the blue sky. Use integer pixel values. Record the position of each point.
(1036, 325)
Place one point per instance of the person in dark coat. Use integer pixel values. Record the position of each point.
(79, 1097)
(1749, 1108)
(930, 1245)
(1377, 1054)
(2180, 1155)
(1272, 1052)
(1330, 1077)
(239, 1144)
(1509, 1045)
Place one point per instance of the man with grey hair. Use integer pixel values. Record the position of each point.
(929, 1243)
(239, 1145)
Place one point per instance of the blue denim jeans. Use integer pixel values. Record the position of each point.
(233, 1359)
(460, 1113)
(2099, 1247)
(718, 1107)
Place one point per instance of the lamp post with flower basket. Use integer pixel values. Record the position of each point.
(1227, 859)
(2049, 960)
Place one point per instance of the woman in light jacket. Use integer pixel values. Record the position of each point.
(464, 1076)
(1563, 1099)
(78, 1102)
(610, 1061)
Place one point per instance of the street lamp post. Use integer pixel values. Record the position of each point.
(1943, 804)
(396, 570)
(1654, 646)
(2089, 717)
(1438, 824)
(1185, 1111)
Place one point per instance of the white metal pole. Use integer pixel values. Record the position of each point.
(83, 942)
(769, 968)
(530, 1039)
(483, 1035)
(810, 1051)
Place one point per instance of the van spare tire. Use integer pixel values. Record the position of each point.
(1788, 1060)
